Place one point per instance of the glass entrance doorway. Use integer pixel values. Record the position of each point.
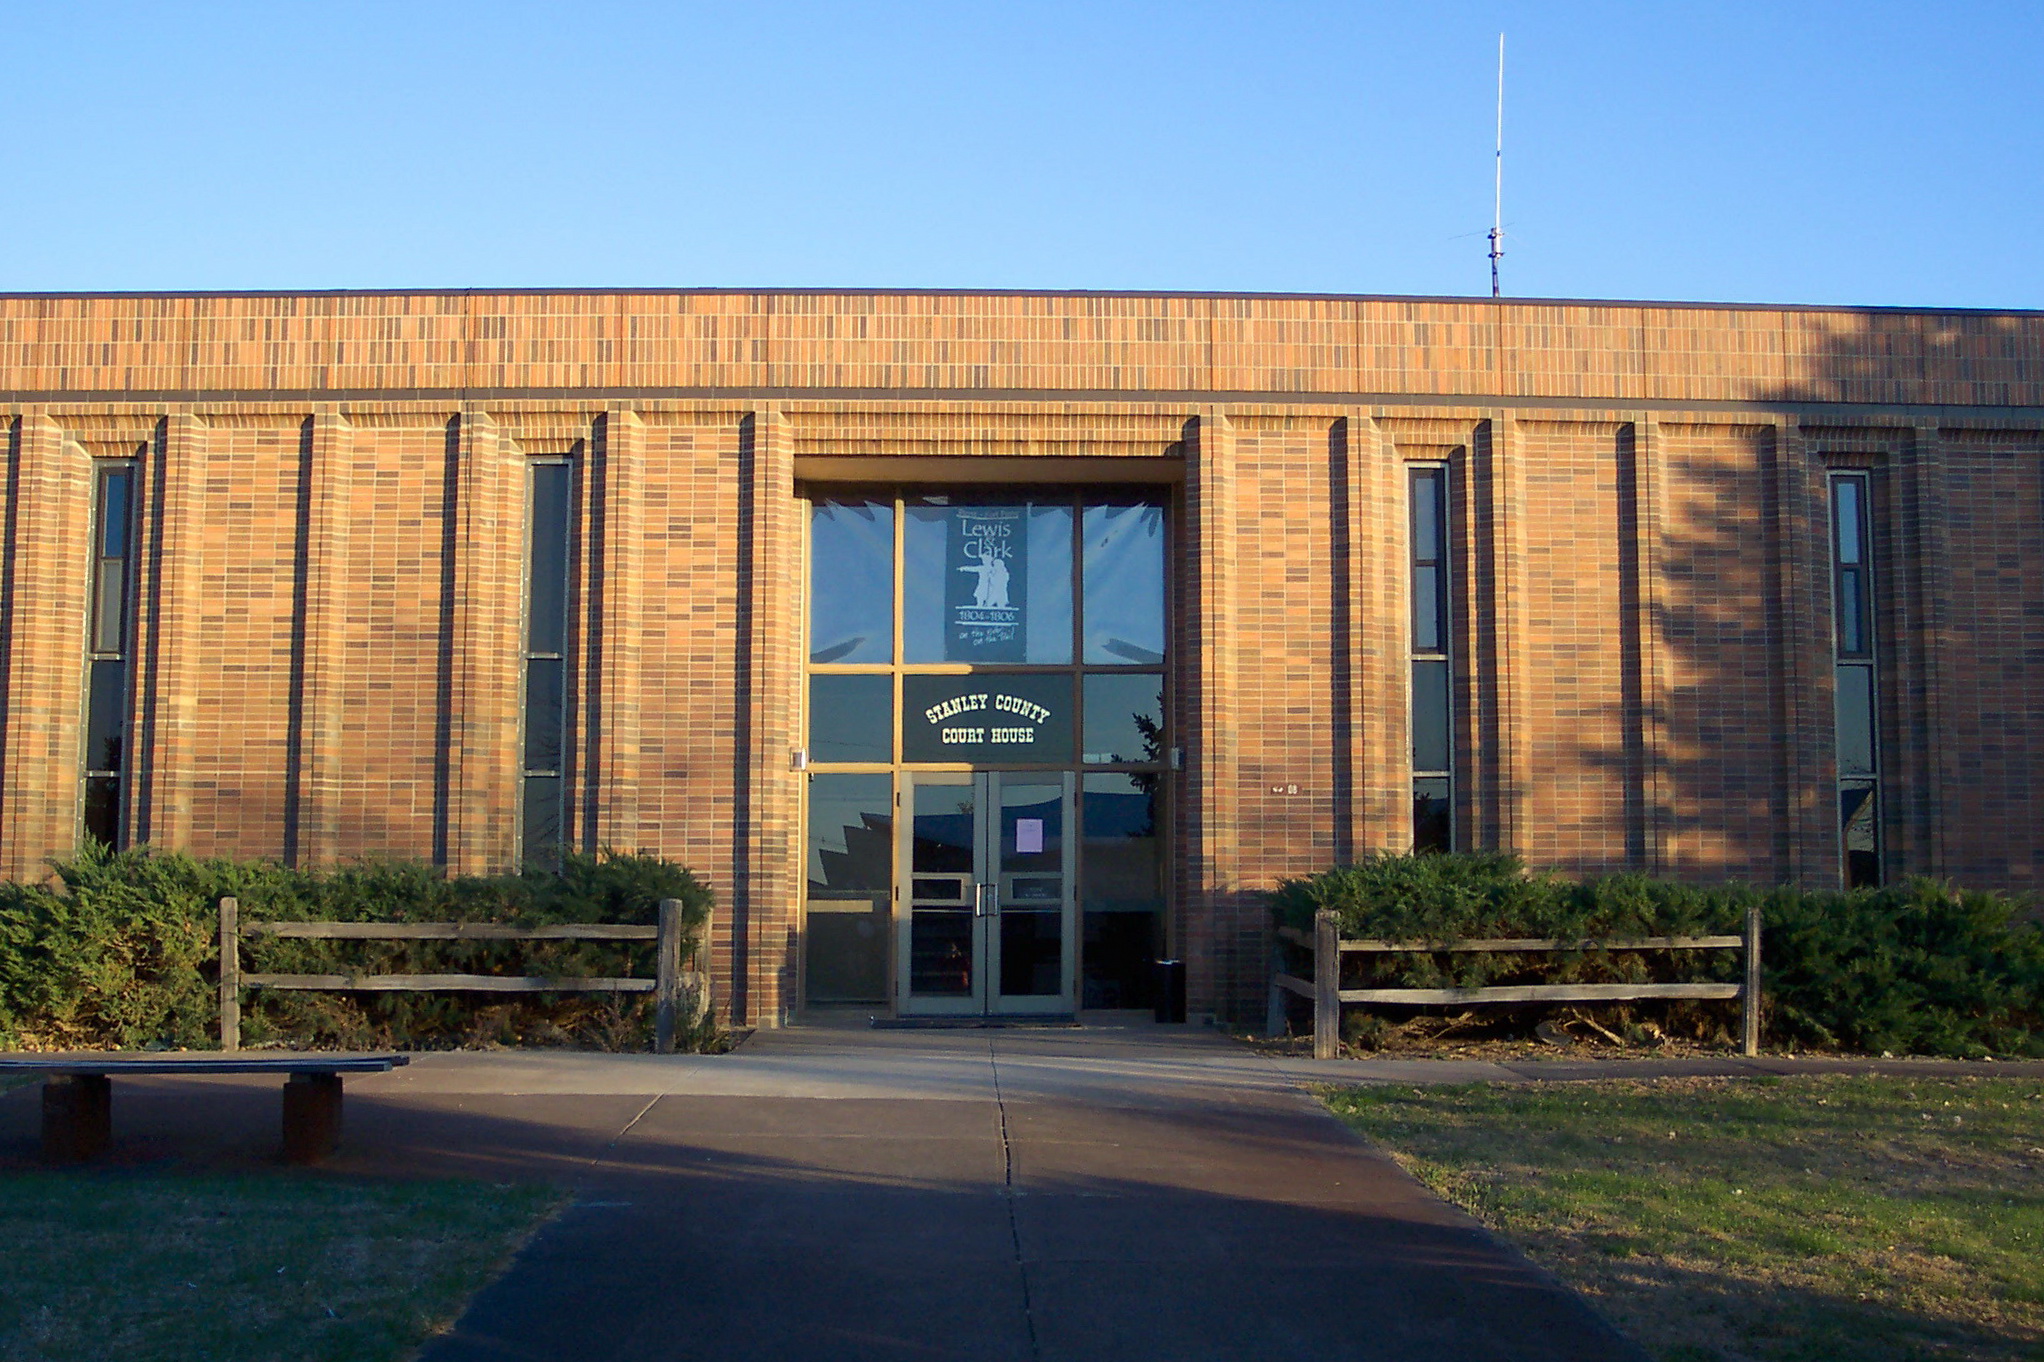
(988, 868)
(988, 751)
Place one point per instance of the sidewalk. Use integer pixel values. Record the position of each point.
(1111, 1194)
(1098, 1193)
(1091, 1194)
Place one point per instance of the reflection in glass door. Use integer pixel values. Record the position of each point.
(989, 925)
(987, 747)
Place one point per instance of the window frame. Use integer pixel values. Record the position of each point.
(1855, 599)
(563, 657)
(1442, 655)
(104, 469)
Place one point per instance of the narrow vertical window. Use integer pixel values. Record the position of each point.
(107, 653)
(1857, 691)
(546, 644)
(1433, 739)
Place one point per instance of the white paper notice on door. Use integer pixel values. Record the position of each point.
(1028, 835)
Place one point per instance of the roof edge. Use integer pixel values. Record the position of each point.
(669, 291)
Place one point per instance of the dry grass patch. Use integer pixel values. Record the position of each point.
(153, 1267)
(1792, 1220)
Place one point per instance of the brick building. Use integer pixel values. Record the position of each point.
(978, 647)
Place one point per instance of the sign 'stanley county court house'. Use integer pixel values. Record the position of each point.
(979, 647)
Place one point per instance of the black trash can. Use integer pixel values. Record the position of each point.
(1168, 981)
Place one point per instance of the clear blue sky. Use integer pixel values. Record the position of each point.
(1857, 153)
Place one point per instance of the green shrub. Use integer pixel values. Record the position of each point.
(123, 951)
(1919, 967)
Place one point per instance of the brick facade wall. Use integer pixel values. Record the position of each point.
(330, 593)
(1717, 782)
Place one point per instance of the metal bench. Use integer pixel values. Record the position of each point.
(78, 1094)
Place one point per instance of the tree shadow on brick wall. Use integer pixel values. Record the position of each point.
(1727, 731)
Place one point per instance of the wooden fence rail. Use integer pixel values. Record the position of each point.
(668, 985)
(1327, 994)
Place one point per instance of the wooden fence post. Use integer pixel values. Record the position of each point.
(1750, 1029)
(699, 961)
(230, 975)
(1326, 985)
(667, 976)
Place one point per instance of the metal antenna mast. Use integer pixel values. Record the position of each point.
(1497, 221)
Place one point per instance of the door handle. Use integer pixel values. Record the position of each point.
(986, 900)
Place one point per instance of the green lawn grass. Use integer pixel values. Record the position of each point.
(1790, 1220)
(151, 1267)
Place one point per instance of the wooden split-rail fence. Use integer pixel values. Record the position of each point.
(1327, 994)
(675, 991)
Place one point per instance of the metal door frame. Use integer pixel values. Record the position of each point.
(986, 892)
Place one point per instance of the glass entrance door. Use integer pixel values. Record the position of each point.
(989, 921)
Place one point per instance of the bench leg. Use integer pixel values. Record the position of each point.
(78, 1117)
(312, 1117)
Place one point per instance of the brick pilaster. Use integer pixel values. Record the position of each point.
(1648, 596)
(169, 615)
(42, 654)
(321, 758)
(615, 638)
(1803, 668)
(1210, 786)
(1376, 480)
(765, 886)
(1920, 554)
(485, 609)
(1498, 603)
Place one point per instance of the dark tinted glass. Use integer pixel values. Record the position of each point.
(1426, 609)
(106, 715)
(1429, 580)
(987, 582)
(1851, 614)
(851, 718)
(1121, 886)
(1430, 746)
(103, 809)
(851, 581)
(1123, 575)
(851, 874)
(1859, 829)
(1032, 838)
(1032, 952)
(1120, 864)
(1119, 956)
(940, 952)
(851, 835)
(109, 605)
(845, 956)
(941, 833)
(1124, 720)
(1433, 821)
(114, 487)
(544, 713)
(1426, 515)
(547, 618)
(543, 831)
(1846, 502)
(1855, 721)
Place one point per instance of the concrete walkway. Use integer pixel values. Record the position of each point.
(1105, 1193)
(1136, 1193)
(1006, 1194)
